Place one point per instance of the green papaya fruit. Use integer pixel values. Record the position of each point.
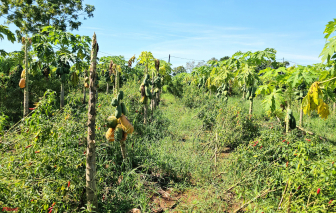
(118, 111)
(114, 102)
(120, 95)
(292, 122)
(118, 133)
(147, 90)
(123, 108)
(112, 122)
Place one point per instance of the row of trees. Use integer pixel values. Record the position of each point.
(258, 74)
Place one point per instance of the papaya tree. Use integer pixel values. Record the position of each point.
(147, 59)
(299, 79)
(328, 55)
(91, 189)
(221, 77)
(249, 78)
(70, 49)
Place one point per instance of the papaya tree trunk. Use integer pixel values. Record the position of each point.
(123, 149)
(84, 95)
(158, 98)
(107, 88)
(244, 94)
(153, 98)
(301, 115)
(287, 120)
(251, 107)
(26, 94)
(116, 81)
(145, 113)
(62, 95)
(91, 144)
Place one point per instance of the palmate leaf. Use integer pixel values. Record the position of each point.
(4, 31)
(273, 100)
(330, 28)
(328, 50)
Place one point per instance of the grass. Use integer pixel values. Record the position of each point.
(171, 165)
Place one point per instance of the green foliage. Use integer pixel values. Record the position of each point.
(31, 15)
(4, 31)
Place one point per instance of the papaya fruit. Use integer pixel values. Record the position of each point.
(118, 112)
(292, 122)
(147, 90)
(22, 83)
(120, 95)
(114, 102)
(123, 109)
(112, 122)
(118, 133)
(110, 135)
(23, 74)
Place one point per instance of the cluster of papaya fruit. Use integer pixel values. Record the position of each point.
(292, 121)
(222, 91)
(86, 82)
(22, 83)
(202, 82)
(157, 85)
(118, 124)
(250, 93)
(62, 69)
(145, 90)
(301, 93)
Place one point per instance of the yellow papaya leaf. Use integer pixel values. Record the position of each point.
(323, 110)
(314, 101)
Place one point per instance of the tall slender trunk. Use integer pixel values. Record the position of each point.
(287, 120)
(301, 115)
(251, 107)
(62, 95)
(334, 107)
(244, 94)
(26, 93)
(145, 113)
(91, 144)
(116, 81)
(84, 95)
(145, 105)
(153, 98)
(107, 88)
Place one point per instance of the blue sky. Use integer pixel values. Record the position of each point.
(202, 29)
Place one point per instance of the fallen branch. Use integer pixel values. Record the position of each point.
(260, 195)
(310, 133)
(283, 194)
